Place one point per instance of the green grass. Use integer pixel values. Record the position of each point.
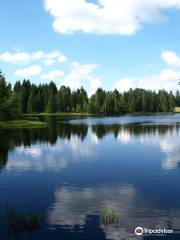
(109, 217)
(59, 114)
(21, 124)
(177, 110)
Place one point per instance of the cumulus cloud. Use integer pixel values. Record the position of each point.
(171, 58)
(106, 16)
(54, 74)
(75, 76)
(62, 59)
(20, 57)
(125, 84)
(80, 75)
(165, 79)
(48, 62)
(33, 70)
(25, 57)
(94, 85)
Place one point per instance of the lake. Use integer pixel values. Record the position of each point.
(74, 168)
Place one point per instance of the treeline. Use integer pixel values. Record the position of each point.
(30, 98)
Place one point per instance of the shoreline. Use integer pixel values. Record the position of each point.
(98, 115)
(15, 124)
(33, 120)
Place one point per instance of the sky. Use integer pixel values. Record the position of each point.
(92, 43)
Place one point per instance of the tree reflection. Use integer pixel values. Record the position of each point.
(59, 128)
(134, 129)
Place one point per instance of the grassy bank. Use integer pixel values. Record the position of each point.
(177, 110)
(60, 114)
(100, 115)
(21, 124)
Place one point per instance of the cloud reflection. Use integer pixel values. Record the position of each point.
(55, 157)
(72, 206)
(168, 144)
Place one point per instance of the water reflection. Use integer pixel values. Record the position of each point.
(81, 168)
(54, 157)
(50, 145)
(72, 207)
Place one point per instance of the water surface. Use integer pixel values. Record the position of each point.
(75, 167)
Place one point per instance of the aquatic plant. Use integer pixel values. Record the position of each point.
(18, 222)
(15, 221)
(32, 222)
(109, 217)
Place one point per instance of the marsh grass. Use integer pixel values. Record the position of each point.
(32, 222)
(22, 124)
(109, 217)
(17, 223)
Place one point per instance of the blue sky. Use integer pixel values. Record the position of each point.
(105, 43)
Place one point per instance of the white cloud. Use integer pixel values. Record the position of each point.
(20, 57)
(171, 58)
(166, 79)
(62, 59)
(125, 84)
(77, 76)
(106, 16)
(94, 85)
(81, 75)
(34, 70)
(48, 62)
(37, 55)
(54, 74)
(25, 57)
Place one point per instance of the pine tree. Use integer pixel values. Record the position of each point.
(51, 106)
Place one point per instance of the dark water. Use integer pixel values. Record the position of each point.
(74, 168)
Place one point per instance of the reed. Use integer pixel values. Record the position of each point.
(32, 222)
(109, 217)
(18, 223)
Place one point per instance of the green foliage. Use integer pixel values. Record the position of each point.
(64, 99)
(109, 217)
(24, 96)
(4, 89)
(30, 98)
(51, 105)
(177, 99)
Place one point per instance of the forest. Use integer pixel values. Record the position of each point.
(28, 98)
